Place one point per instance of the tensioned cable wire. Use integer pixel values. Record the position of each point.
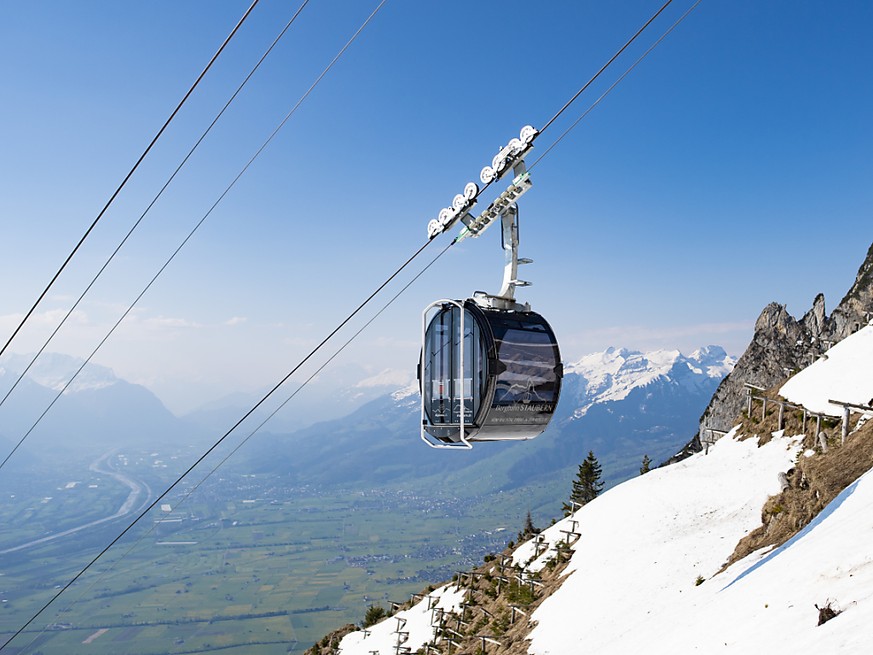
(219, 442)
(160, 271)
(251, 434)
(592, 79)
(288, 376)
(605, 66)
(140, 219)
(128, 176)
(614, 84)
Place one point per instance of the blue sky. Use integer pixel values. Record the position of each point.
(730, 169)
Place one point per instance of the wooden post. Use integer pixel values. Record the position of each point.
(783, 481)
(781, 414)
(804, 420)
(516, 610)
(764, 410)
(818, 423)
(845, 423)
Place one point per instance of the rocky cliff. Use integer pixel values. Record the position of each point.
(782, 345)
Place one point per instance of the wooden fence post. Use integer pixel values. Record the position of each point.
(845, 423)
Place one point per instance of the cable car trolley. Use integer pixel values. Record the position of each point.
(490, 368)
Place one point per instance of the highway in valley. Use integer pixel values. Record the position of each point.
(140, 495)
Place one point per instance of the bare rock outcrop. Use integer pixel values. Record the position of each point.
(783, 345)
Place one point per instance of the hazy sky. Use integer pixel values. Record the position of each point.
(730, 169)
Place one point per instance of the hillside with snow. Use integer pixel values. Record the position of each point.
(646, 565)
(839, 374)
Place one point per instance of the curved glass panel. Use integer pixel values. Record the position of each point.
(447, 390)
(528, 382)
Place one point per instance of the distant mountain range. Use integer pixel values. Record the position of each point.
(98, 410)
(621, 404)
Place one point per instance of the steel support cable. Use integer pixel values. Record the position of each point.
(588, 84)
(614, 84)
(128, 176)
(196, 227)
(140, 219)
(215, 445)
(260, 402)
(311, 354)
(605, 66)
(251, 434)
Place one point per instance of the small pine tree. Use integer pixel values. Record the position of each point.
(647, 465)
(528, 530)
(587, 484)
(375, 613)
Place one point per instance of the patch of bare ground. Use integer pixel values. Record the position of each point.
(815, 480)
(499, 606)
(500, 599)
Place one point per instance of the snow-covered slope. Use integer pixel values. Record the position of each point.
(613, 374)
(840, 374)
(411, 628)
(644, 544)
(645, 574)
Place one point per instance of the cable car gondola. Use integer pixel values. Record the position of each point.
(490, 368)
(500, 382)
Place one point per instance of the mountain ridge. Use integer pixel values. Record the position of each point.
(781, 345)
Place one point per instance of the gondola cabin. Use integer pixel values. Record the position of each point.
(486, 374)
(490, 369)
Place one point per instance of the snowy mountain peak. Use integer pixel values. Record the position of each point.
(713, 360)
(612, 374)
(387, 378)
(54, 370)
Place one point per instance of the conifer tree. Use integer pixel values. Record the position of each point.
(528, 530)
(587, 484)
(647, 465)
(374, 614)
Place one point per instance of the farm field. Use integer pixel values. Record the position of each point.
(248, 564)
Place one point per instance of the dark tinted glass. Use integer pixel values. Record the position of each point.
(530, 357)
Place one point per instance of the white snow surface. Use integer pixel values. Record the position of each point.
(533, 555)
(632, 586)
(612, 374)
(419, 624)
(389, 377)
(844, 373)
(406, 392)
(644, 575)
